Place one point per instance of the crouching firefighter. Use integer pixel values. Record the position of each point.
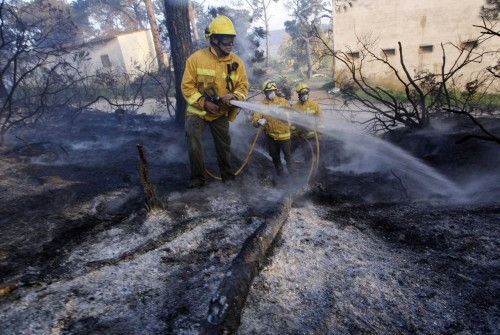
(277, 131)
(212, 78)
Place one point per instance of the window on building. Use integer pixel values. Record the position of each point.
(388, 52)
(353, 55)
(469, 45)
(105, 61)
(426, 49)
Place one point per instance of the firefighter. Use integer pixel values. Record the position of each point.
(300, 134)
(212, 78)
(309, 107)
(277, 130)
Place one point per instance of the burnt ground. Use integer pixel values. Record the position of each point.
(79, 253)
(379, 269)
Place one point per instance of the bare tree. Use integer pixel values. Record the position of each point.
(179, 32)
(306, 15)
(488, 28)
(33, 73)
(425, 93)
(112, 16)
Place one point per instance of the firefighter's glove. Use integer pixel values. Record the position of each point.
(262, 122)
(228, 97)
(211, 108)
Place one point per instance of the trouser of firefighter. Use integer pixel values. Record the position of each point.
(303, 142)
(220, 134)
(275, 148)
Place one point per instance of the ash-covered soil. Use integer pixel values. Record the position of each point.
(380, 269)
(80, 254)
(365, 254)
(360, 253)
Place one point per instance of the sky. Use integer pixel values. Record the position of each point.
(279, 13)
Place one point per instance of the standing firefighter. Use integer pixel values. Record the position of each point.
(213, 76)
(277, 131)
(309, 107)
(312, 109)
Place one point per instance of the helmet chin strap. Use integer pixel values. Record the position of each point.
(216, 44)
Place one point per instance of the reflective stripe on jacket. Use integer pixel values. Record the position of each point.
(277, 129)
(205, 72)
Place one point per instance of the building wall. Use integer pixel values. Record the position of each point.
(111, 49)
(137, 49)
(124, 52)
(416, 23)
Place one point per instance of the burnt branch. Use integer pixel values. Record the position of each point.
(152, 201)
(425, 94)
(487, 137)
(488, 28)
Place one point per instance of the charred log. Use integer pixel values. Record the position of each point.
(225, 308)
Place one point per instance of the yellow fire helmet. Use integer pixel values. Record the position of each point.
(221, 25)
(269, 85)
(302, 88)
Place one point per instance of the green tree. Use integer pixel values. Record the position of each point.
(261, 12)
(307, 15)
(490, 10)
(100, 18)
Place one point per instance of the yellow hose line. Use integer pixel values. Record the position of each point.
(316, 137)
(311, 169)
(314, 157)
(245, 161)
(210, 174)
(252, 147)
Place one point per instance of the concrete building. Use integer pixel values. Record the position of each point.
(420, 25)
(124, 52)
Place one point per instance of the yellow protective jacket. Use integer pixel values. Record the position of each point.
(277, 129)
(205, 72)
(310, 108)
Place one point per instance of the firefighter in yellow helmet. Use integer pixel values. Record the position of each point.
(212, 78)
(277, 131)
(307, 106)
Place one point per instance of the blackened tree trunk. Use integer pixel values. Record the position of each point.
(156, 34)
(179, 33)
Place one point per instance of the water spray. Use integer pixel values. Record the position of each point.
(370, 146)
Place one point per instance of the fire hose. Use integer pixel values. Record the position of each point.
(314, 155)
(245, 161)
